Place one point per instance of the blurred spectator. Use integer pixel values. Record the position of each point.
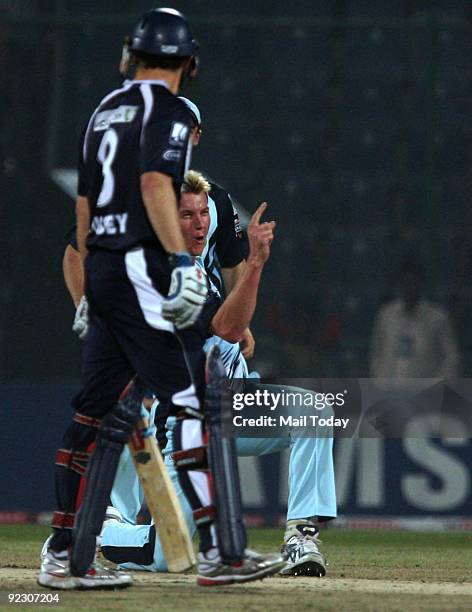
(413, 338)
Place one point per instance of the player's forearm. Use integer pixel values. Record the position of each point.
(73, 274)
(236, 312)
(161, 207)
(232, 275)
(82, 214)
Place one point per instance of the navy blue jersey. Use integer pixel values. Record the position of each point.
(225, 247)
(141, 127)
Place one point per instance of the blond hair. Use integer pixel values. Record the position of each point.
(195, 182)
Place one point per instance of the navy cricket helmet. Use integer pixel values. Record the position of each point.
(163, 32)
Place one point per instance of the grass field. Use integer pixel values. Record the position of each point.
(369, 570)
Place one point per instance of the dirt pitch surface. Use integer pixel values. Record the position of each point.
(373, 571)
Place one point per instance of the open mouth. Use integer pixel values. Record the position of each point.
(200, 240)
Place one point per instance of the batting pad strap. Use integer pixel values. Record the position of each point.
(63, 457)
(63, 520)
(191, 459)
(79, 467)
(86, 420)
(204, 516)
(73, 460)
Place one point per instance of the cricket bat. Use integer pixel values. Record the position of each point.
(161, 498)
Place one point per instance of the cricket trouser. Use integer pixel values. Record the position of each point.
(311, 493)
(127, 336)
(311, 485)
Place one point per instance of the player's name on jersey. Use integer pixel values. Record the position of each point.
(290, 421)
(109, 224)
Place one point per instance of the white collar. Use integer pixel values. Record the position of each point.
(148, 81)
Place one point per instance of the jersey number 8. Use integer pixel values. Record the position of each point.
(105, 156)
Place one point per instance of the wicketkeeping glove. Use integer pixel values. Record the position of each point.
(81, 319)
(187, 293)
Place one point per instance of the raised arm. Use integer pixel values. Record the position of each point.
(235, 314)
(231, 277)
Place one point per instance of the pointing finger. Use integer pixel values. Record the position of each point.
(258, 214)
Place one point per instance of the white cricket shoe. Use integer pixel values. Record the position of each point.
(301, 545)
(44, 549)
(211, 571)
(55, 574)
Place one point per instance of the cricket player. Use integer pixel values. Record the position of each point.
(311, 474)
(145, 294)
(223, 256)
(224, 252)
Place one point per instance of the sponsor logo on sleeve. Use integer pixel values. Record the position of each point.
(238, 230)
(178, 134)
(172, 155)
(122, 114)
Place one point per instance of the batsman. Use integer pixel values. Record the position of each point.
(146, 295)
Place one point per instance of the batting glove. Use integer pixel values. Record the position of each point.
(81, 319)
(187, 293)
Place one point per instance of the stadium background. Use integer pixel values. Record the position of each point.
(350, 117)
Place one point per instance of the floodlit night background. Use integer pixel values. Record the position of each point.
(352, 118)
